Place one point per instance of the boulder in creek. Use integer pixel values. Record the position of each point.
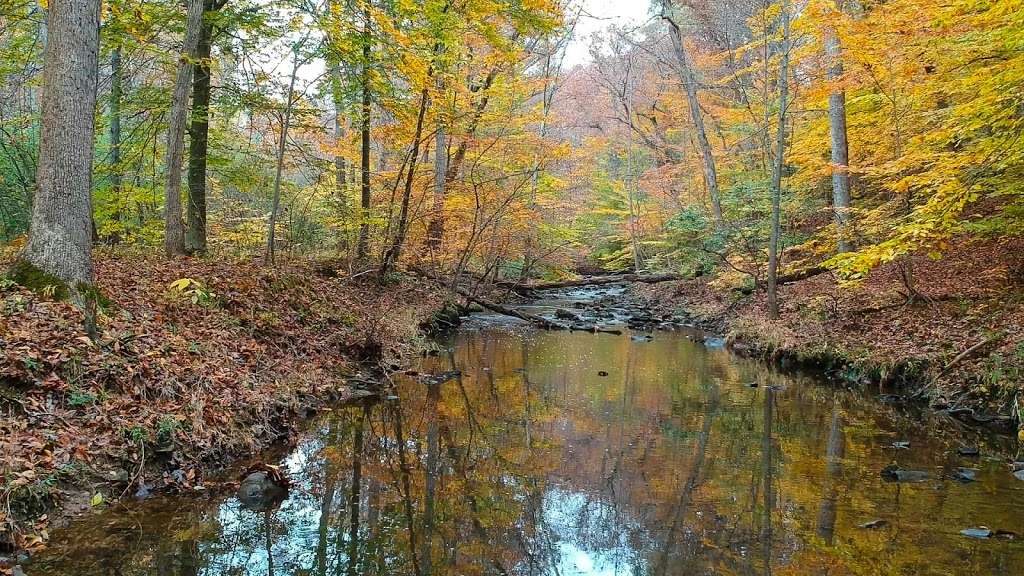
(262, 487)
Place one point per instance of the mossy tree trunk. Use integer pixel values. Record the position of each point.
(60, 236)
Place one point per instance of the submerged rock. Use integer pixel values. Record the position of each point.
(893, 473)
(968, 451)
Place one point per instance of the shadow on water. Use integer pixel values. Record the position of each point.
(573, 453)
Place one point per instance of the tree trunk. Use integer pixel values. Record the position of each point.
(435, 230)
(174, 232)
(199, 135)
(840, 147)
(285, 123)
(59, 240)
(114, 109)
(689, 82)
(339, 133)
(362, 248)
(780, 150)
(391, 257)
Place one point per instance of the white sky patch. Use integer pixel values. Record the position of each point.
(597, 16)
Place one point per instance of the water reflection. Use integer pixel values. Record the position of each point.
(528, 462)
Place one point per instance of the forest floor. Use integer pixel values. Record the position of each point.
(959, 347)
(198, 361)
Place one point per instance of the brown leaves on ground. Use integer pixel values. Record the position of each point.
(181, 374)
(973, 295)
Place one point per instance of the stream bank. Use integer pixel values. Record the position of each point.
(518, 450)
(957, 347)
(198, 362)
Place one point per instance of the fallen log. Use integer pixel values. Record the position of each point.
(801, 274)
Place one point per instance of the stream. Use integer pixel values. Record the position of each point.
(521, 451)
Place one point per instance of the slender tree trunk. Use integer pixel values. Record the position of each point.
(689, 82)
(285, 123)
(199, 136)
(174, 226)
(339, 133)
(114, 109)
(780, 151)
(840, 147)
(362, 249)
(391, 257)
(435, 230)
(59, 239)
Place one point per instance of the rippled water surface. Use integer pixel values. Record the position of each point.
(570, 453)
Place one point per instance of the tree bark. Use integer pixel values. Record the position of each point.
(362, 248)
(689, 82)
(838, 136)
(199, 135)
(174, 226)
(780, 150)
(59, 240)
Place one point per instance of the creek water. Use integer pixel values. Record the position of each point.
(573, 453)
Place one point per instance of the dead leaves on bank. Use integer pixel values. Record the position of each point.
(181, 372)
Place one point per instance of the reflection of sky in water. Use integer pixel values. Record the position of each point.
(563, 513)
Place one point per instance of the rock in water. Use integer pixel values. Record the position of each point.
(262, 487)
(874, 524)
(564, 314)
(980, 532)
(968, 451)
(965, 475)
(893, 473)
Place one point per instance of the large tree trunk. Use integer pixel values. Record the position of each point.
(59, 240)
(362, 248)
(199, 136)
(689, 82)
(840, 147)
(780, 151)
(174, 232)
